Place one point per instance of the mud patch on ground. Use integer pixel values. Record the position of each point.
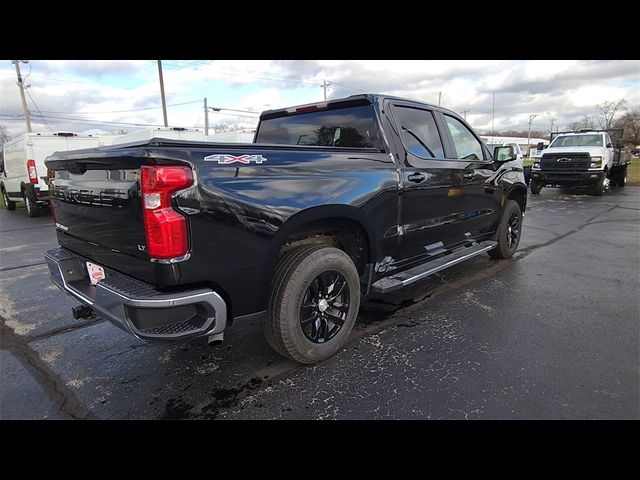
(221, 399)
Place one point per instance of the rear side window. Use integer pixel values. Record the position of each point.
(467, 146)
(354, 127)
(419, 132)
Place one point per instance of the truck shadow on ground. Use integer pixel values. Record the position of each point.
(374, 314)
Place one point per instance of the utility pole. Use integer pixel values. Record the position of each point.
(21, 87)
(493, 112)
(325, 84)
(164, 102)
(206, 117)
(531, 117)
(439, 97)
(553, 119)
(464, 113)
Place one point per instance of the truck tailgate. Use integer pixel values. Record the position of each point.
(101, 207)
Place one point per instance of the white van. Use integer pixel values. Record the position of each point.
(233, 136)
(24, 174)
(172, 133)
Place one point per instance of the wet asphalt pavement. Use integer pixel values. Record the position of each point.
(553, 333)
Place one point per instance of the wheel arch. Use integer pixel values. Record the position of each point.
(518, 193)
(315, 221)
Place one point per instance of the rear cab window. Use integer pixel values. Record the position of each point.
(348, 127)
(418, 132)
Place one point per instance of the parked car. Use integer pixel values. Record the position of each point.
(336, 201)
(24, 174)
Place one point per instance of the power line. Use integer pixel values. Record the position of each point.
(236, 114)
(347, 86)
(36, 105)
(86, 121)
(217, 109)
(126, 111)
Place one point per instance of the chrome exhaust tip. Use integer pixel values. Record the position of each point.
(215, 339)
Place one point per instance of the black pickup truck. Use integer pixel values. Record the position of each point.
(334, 201)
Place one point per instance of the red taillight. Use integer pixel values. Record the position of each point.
(166, 229)
(31, 168)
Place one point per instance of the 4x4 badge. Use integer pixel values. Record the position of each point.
(224, 159)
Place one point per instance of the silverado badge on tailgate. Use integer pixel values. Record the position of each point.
(225, 159)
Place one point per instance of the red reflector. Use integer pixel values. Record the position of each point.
(31, 168)
(166, 229)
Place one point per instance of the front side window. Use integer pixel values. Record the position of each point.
(467, 146)
(419, 132)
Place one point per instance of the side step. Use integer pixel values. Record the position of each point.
(402, 279)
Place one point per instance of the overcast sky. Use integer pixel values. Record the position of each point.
(89, 93)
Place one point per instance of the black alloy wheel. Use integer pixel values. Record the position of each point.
(513, 230)
(324, 307)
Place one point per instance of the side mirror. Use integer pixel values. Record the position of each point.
(504, 153)
(609, 145)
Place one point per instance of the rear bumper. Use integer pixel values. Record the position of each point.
(36, 193)
(566, 178)
(137, 307)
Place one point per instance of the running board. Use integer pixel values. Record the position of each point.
(402, 279)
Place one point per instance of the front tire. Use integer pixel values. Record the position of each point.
(509, 231)
(601, 186)
(9, 205)
(622, 177)
(313, 303)
(535, 187)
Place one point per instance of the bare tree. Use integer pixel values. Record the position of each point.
(606, 112)
(4, 135)
(575, 126)
(587, 122)
(630, 123)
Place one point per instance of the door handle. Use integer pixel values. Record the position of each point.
(468, 174)
(416, 177)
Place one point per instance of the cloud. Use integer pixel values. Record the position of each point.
(99, 90)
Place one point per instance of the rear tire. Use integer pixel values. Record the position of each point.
(8, 204)
(535, 187)
(306, 319)
(33, 210)
(509, 231)
(622, 177)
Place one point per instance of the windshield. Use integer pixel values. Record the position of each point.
(343, 127)
(578, 141)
